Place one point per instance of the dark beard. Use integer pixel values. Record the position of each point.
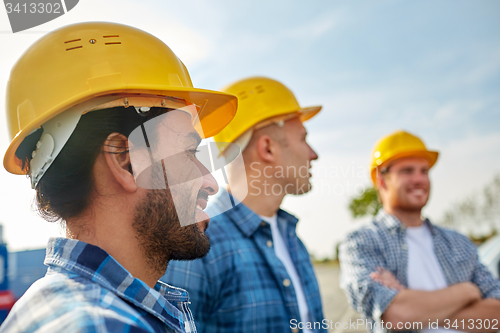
(160, 234)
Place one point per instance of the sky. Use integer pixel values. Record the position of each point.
(428, 67)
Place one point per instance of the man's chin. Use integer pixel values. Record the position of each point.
(415, 206)
(304, 189)
(420, 203)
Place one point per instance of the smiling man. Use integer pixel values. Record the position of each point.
(402, 272)
(258, 276)
(105, 121)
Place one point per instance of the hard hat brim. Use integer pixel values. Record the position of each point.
(429, 155)
(309, 112)
(217, 110)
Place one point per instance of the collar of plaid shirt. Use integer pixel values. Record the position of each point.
(393, 223)
(244, 218)
(93, 263)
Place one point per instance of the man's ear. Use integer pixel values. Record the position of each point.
(380, 180)
(266, 148)
(116, 154)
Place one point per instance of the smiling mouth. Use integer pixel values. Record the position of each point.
(419, 191)
(201, 204)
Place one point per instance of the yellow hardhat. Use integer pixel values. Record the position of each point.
(82, 62)
(397, 145)
(259, 98)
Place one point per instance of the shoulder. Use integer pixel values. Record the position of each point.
(450, 234)
(453, 239)
(225, 237)
(373, 240)
(366, 234)
(59, 302)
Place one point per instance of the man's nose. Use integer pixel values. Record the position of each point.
(312, 156)
(209, 183)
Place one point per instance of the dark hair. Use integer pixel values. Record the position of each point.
(65, 188)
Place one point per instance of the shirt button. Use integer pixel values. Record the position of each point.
(295, 330)
(263, 224)
(404, 246)
(269, 243)
(286, 282)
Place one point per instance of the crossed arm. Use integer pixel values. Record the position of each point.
(456, 302)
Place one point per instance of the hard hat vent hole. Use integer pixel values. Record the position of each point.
(112, 41)
(242, 95)
(260, 89)
(74, 47)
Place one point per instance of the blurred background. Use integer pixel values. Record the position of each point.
(428, 67)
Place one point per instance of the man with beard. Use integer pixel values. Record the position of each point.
(105, 121)
(258, 276)
(401, 271)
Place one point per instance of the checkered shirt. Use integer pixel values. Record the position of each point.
(382, 243)
(241, 285)
(86, 290)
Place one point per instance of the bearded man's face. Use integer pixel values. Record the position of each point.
(160, 234)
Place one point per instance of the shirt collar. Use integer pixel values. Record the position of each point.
(95, 264)
(390, 221)
(393, 223)
(242, 216)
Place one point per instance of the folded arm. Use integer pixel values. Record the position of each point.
(422, 306)
(481, 316)
(360, 254)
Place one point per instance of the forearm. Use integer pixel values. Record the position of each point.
(479, 316)
(422, 306)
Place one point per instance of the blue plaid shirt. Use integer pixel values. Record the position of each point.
(241, 285)
(382, 243)
(86, 290)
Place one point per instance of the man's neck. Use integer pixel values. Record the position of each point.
(261, 196)
(264, 205)
(409, 218)
(111, 230)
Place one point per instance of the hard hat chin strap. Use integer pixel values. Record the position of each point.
(56, 133)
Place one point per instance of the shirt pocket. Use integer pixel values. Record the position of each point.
(463, 265)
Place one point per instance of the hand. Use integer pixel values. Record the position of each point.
(387, 279)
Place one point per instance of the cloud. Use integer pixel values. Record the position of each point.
(317, 27)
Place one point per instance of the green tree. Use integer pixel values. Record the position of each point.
(365, 204)
(477, 215)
